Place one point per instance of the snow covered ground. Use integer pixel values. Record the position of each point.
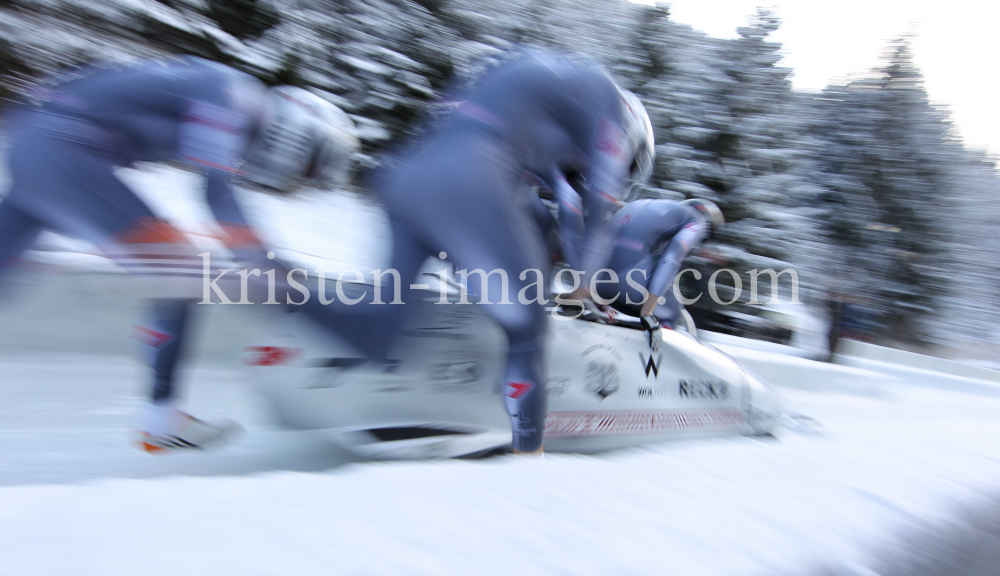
(77, 498)
(904, 479)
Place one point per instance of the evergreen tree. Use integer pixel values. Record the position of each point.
(861, 188)
(889, 159)
(968, 309)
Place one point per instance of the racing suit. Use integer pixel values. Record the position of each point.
(575, 235)
(652, 237)
(62, 162)
(465, 195)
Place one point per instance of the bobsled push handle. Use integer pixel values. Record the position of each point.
(586, 310)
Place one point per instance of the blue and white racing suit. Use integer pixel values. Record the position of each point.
(579, 229)
(464, 194)
(63, 154)
(651, 238)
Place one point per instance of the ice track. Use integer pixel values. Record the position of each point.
(77, 498)
(904, 481)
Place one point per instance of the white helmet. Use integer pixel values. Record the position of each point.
(709, 211)
(639, 132)
(301, 138)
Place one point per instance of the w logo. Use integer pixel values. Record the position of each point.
(650, 365)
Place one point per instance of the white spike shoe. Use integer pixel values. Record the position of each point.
(167, 429)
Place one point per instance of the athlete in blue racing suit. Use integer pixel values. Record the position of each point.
(464, 195)
(651, 238)
(62, 160)
(582, 230)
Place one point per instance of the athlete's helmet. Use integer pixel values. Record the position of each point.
(300, 139)
(639, 132)
(709, 211)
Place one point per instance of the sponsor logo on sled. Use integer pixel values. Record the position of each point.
(602, 376)
(335, 368)
(456, 371)
(709, 389)
(651, 365)
(269, 355)
(557, 385)
(653, 392)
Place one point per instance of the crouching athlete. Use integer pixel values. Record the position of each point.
(205, 115)
(651, 238)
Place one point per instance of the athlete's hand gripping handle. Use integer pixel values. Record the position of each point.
(652, 325)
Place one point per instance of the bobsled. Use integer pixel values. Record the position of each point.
(439, 391)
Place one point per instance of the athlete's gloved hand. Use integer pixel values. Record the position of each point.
(610, 314)
(596, 312)
(652, 325)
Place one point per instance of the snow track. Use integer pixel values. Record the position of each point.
(77, 498)
(898, 466)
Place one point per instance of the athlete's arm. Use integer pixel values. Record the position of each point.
(572, 226)
(670, 262)
(219, 195)
(605, 175)
(213, 138)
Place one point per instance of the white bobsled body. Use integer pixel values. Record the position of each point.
(439, 394)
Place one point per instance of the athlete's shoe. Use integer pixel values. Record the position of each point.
(168, 429)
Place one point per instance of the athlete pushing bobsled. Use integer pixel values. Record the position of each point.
(651, 238)
(438, 393)
(462, 197)
(206, 115)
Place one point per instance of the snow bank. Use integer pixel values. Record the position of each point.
(913, 360)
(793, 372)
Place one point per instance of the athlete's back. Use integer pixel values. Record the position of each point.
(551, 109)
(147, 104)
(644, 228)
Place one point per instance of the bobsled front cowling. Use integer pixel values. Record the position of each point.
(608, 389)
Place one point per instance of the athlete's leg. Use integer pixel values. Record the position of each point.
(71, 188)
(623, 295)
(164, 335)
(17, 232)
(524, 323)
(473, 208)
(668, 312)
(368, 326)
